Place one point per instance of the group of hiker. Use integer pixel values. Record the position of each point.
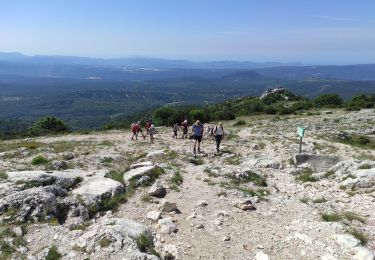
(150, 130)
(196, 134)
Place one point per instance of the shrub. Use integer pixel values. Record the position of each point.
(48, 125)
(359, 235)
(115, 175)
(40, 159)
(331, 217)
(53, 254)
(146, 245)
(328, 100)
(177, 179)
(239, 123)
(105, 242)
(305, 175)
(3, 175)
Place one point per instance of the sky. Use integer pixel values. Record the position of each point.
(307, 31)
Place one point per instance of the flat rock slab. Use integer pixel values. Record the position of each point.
(120, 236)
(141, 164)
(65, 179)
(318, 162)
(97, 189)
(364, 178)
(137, 173)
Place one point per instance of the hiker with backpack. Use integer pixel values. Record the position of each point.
(219, 134)
(148, 125)
(175, 130)
(197, 133)
(152, 131)
(185, 128)
(136, 128)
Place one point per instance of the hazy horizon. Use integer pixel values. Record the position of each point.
(319, 32)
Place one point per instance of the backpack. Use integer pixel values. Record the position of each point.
(219, 130)
(198, 130)
(152, 130)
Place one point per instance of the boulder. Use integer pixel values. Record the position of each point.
(153, 215)
(361, 179)
(201, 203)
(34, 203)
(346, 241)
(166, 206)
(157, 153)
(362, 253)
(261, 256)
(318, 162)
(65, 179)
(170, 252)
(141, 164)
(59, 165)
(120, 236)
(97, 189)
(137, 173)
(167, 225)
(157, 190)
(244, 205)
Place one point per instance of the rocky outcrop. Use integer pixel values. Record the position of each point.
(34, 203)
(115, 237)
(137, 173)
(97, 189)
(317, 162)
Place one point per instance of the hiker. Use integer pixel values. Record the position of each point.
(136, 128)
(175, 130)
(148, 125)
(152, 131)
(197, 132)
(219, 134)
(185, 128)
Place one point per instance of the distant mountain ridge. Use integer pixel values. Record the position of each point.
(138, 62)
(146, 68)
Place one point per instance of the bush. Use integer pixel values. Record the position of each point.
(40, 159)
(328, 100)
(53, 254)
(48, 125)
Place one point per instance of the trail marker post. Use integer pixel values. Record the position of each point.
(301, 133)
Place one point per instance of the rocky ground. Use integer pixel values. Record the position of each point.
(102, 196)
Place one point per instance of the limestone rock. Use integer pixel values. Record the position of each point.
(167, 226)
(244, 205)
(137, 173)
(96, 189)
(364, 178)
(346, 241)
(153, 215)
(65, 179)
(318, 162)
(157, 190)
(166, 206)
(261, 256)
(170, 251)
(201, 203)
(157, 153)
(362, 253)
(58, 165)
(121, 236)
(142, 164)
(34, 203)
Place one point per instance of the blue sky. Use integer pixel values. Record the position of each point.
(309, 31)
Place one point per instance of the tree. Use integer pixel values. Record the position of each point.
(328, 100)
(48, 125)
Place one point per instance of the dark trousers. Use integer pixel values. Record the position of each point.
(218, 139)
